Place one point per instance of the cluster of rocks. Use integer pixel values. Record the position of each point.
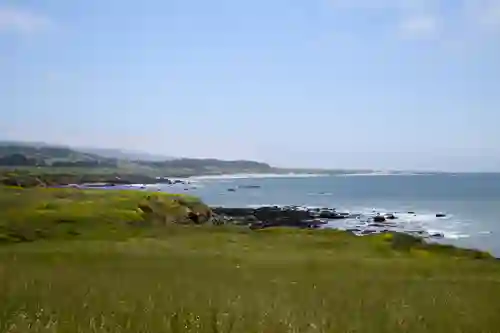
(267, 217)
(303, 217)
(165, 180)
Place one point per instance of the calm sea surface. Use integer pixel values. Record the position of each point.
(471, 201)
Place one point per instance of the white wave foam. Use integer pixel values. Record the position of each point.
(448, 234)
(258, 175)
(265, 205)
(371, 174)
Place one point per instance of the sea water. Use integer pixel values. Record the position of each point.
(471, 202)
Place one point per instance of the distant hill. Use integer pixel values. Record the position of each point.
(124, 154)
(40, 154)
(21, 154)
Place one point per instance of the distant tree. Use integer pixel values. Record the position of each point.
(17, 160)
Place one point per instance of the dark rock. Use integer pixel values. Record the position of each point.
(279, 216)
(218, 220)
(440, 215)
(378, 218)
(264, 217)
(145, 208)
(411, 212)
(437, 235)
(390, 216)
(257, 225)
(231, 190)
(249, 186)
(234, 212)
(327, 214)
(194, 217)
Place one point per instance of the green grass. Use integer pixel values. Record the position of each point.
(38, 213)
(187, 278)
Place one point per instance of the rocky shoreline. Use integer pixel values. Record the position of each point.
(316, 218)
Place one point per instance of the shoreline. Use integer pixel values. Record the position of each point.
(296, 217)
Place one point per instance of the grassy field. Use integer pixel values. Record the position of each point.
(61, 213)
(187, 278)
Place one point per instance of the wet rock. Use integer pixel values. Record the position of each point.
(282, 216)
(390, 216)
(231, 190)
(327, 214)
(234, 212)
(249, 186)
(440, 215)
(263, 217)
(413, 213)
(437, 235)
(378, 218)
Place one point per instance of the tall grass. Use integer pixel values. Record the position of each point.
(203, 279)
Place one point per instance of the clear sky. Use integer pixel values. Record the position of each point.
(393, 84)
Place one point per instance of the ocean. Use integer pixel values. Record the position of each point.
(471, 202)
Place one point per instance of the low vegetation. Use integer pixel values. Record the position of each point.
(36, 213)
(115, 261)
(40, 177)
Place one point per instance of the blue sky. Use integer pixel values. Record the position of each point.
(391, 84)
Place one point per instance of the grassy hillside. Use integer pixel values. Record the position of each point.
(36, 213)
(179, 278)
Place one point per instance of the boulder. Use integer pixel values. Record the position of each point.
(235, 212)
(339, 216)
(282, 216)
(327, 214)
(194, 217)
(440, 215)
(378, 219)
